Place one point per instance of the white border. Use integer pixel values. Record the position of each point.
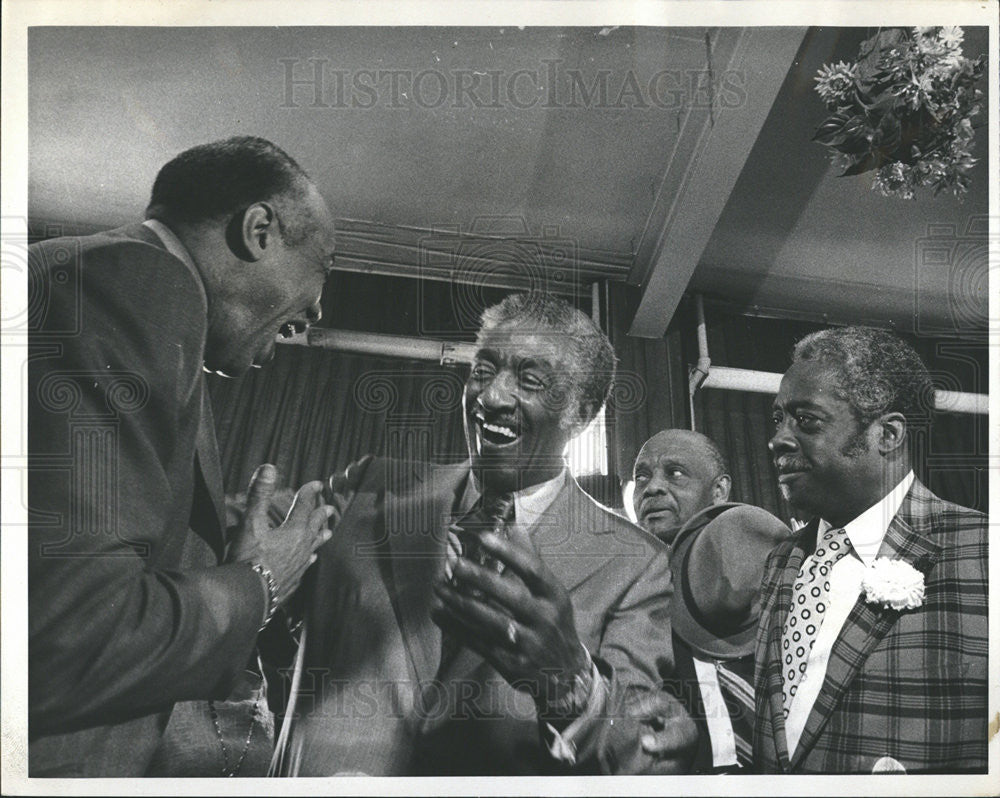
(19, 14)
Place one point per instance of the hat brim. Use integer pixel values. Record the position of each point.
(684, 614)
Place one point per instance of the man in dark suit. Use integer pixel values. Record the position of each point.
(872, 646)
(717, 555)
(136, 599)
(488, 618)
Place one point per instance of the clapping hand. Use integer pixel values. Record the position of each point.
(520, 621)
(288, 550)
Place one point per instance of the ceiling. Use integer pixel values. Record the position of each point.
(674, 159)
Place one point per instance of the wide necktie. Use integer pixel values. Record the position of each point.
(810, 599)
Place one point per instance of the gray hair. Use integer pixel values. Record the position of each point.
(590, 354)
(877, 372)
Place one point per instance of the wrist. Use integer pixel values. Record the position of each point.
(271, 603)
(569, 692)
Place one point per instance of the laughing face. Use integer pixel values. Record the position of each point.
(520, 408)
(275, 296)
(828, 464)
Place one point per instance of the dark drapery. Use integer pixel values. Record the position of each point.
(313, 411)
(651, 390)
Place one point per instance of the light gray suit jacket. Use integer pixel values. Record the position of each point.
(369, 700)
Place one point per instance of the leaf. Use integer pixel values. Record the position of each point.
(830, 129)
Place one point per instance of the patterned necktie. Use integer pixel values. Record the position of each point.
(494, 516)
(735, 681)
(810, 598)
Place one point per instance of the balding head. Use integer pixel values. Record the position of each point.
(678, 473)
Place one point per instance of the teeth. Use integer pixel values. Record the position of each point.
(291, 328)
(507, 432)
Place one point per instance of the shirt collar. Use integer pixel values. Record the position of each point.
(529, 503)
(867, 530)
(173, 244)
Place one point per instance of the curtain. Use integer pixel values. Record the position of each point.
(313, 411)
(650, 392)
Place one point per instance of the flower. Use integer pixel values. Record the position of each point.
(834, 81)
(894, 584)
(903, 111)
(951, 36)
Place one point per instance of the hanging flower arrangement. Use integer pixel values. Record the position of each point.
(904, 110)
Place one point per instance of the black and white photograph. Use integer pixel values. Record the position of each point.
(554, 398)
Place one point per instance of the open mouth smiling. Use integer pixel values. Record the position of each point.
(292, 328)
(496, 434)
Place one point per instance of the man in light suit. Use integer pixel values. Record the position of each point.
(872, 646)
(510, 649)
(136, 599)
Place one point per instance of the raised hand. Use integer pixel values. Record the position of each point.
(288, 550)
(520, 621)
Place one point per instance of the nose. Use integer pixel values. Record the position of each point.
(499, 393)
(314, 312)
(656, 486)
(782, 440)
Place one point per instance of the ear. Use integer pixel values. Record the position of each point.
(891, 432)
(720, 488)
(250, 233)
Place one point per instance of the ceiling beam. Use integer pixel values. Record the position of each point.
(711, 150)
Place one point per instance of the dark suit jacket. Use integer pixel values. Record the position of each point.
(909, 684)
(123, 472)
(369, 701)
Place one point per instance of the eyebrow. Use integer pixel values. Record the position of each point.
(799, 404)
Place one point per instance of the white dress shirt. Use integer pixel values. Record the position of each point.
(720, 724)
(865, 533)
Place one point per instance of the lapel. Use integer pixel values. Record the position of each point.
(566, 535)
(209, 471)
(783, 599)
(416, 513)
(208, 508)
(868, 623)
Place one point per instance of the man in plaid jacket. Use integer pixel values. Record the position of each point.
(872, 648)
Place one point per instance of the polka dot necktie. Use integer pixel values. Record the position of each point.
(810, 599)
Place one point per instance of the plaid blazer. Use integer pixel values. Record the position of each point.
(912, 684)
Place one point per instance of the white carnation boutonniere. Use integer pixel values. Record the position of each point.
(894, 584)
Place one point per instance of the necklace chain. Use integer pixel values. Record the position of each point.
(222, 742)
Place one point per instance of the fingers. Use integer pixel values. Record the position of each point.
(673, 739)
(452, 552)
(520, 556)
(511, 594)
(477, 618)
(305, 503)
(262, 485)
(671, 730)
